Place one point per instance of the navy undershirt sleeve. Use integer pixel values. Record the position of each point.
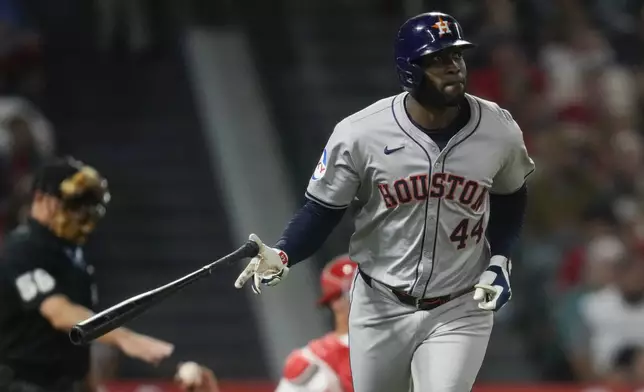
(307, 231)
(507, 213)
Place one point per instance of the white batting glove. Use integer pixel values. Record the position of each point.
(269, 267)
(493, 290)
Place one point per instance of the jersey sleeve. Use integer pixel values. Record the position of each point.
(517, 166)
(29, 275)
(302, 374)
(336, 178)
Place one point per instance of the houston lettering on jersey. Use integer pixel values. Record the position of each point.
(447, 186)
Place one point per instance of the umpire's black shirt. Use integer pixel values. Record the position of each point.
(36, 264)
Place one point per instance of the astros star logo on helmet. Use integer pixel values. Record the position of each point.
(442, 26)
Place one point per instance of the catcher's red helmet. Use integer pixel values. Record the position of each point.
(336, 278)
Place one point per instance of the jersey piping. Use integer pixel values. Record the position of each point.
(429, 172)
(440, 200)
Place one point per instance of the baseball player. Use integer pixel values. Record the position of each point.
(323, 365)
(437, 177)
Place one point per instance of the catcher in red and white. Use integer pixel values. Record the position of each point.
(323, 364)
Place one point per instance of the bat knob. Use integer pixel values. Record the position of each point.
(77, 335)
(251, 249)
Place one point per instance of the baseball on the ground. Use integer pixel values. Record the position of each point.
(189, 373)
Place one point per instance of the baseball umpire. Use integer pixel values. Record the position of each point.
(46, 286)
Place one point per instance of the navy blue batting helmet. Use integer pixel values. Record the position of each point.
(422, 35)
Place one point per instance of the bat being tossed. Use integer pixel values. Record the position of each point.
(114, 317)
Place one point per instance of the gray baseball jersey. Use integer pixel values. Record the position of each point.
(421, 212)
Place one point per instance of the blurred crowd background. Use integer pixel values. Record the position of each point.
(108, 82)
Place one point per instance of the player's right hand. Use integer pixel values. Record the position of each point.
(145, 348)
(269, 267)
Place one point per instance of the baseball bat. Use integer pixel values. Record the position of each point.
(114, 317)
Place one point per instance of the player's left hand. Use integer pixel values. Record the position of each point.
(493, 289)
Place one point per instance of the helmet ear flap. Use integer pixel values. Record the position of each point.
(417, 74)
(409, 74)
(405, 75)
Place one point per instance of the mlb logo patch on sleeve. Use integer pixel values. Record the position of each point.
(320, 169)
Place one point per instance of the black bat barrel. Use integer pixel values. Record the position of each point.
(114, 317)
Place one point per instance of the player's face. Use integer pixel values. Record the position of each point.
(445, 79)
